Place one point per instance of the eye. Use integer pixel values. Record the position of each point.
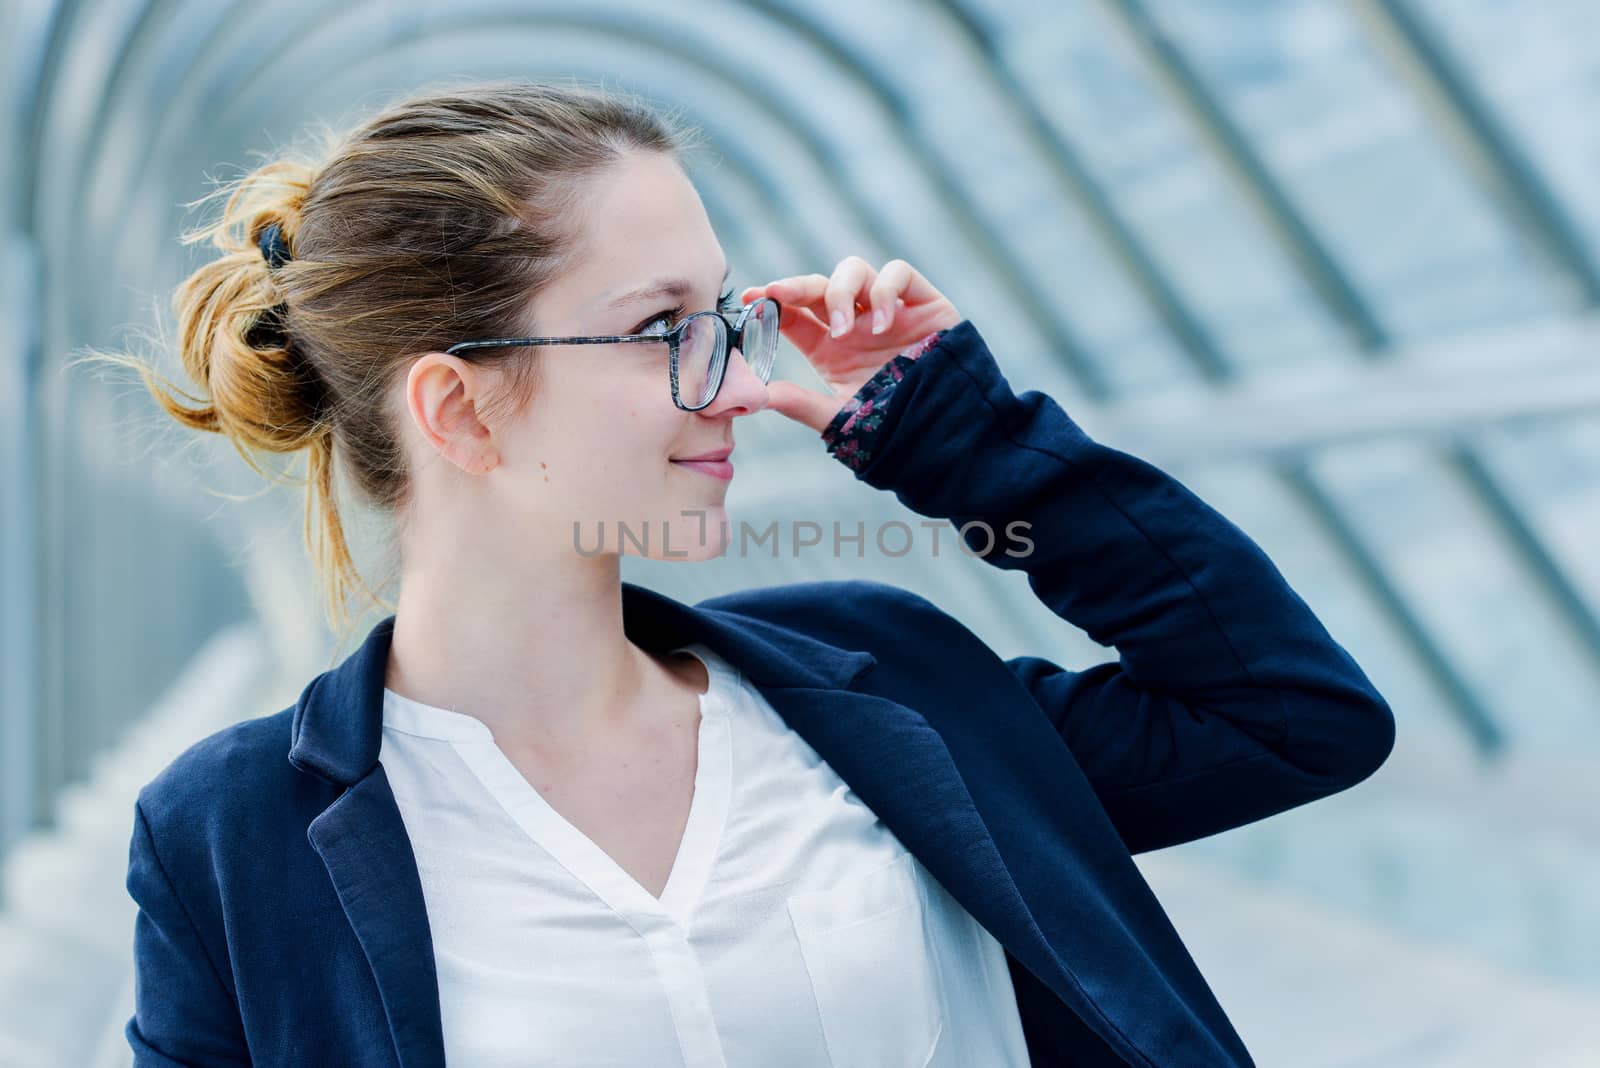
(669, 316)
(727, 304)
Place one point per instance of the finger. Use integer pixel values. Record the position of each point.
(800, 290)
(802, 327)
(807, 291)
(893, 280)
(810, 289)
(804, 406)
(919, 290)
(849, 283)
(796, 321)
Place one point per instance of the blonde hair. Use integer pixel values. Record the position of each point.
(439, 219)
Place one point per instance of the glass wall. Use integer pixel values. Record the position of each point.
(1335, 264)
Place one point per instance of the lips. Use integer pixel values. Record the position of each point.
(714, 464)
(716, 456)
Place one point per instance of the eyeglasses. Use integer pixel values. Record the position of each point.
(699, 347)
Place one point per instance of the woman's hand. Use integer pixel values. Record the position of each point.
(847, 327)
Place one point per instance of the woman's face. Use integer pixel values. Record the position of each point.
(599, 442)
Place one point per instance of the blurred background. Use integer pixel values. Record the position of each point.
(1334, 264)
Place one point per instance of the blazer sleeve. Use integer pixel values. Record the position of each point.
(850, 434)
(184, 1013)
(1229, 700)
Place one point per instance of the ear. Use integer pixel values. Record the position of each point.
(442, 393)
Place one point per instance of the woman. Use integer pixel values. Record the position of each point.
(543, 816)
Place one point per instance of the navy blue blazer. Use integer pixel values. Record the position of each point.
(281, 918)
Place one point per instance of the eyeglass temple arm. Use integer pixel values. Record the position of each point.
(518, 342)
(609, 339)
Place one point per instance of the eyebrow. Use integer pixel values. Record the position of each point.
(676, 288)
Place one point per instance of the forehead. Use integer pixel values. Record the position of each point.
(645, 223)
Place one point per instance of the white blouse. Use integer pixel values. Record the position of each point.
(794, 930)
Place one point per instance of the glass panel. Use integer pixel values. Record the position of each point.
(1552, 473)
(1354, 149)
(1539, 66)
(1537, 680)
(1172, 191)
(973, 151)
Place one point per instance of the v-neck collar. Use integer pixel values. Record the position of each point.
(569, 846)
(410, 716)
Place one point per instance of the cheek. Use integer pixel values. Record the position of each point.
(631, 437)
(616, 429)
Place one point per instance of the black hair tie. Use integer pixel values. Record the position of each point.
(274, 249)
(269, 331)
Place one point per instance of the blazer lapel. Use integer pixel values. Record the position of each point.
(362, 839)
(901, 768)
(886, 752)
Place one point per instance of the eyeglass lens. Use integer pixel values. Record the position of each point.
(702, 344)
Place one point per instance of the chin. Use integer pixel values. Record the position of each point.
(687, 531)
(693, 555)
(701, 531)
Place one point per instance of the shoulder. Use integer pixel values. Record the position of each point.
(794, 601)
(226, 781)
(854, 613)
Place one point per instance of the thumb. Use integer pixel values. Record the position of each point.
(805, 406)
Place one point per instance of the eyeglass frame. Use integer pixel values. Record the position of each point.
(672, 337)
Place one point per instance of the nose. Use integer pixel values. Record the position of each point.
(742, 391)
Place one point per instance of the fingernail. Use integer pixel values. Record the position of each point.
(880, 319)
(836, 321)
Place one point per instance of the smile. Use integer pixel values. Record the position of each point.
(722, 469)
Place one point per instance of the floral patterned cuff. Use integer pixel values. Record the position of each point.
(849, 435)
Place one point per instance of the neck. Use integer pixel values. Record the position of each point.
(539, 657)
